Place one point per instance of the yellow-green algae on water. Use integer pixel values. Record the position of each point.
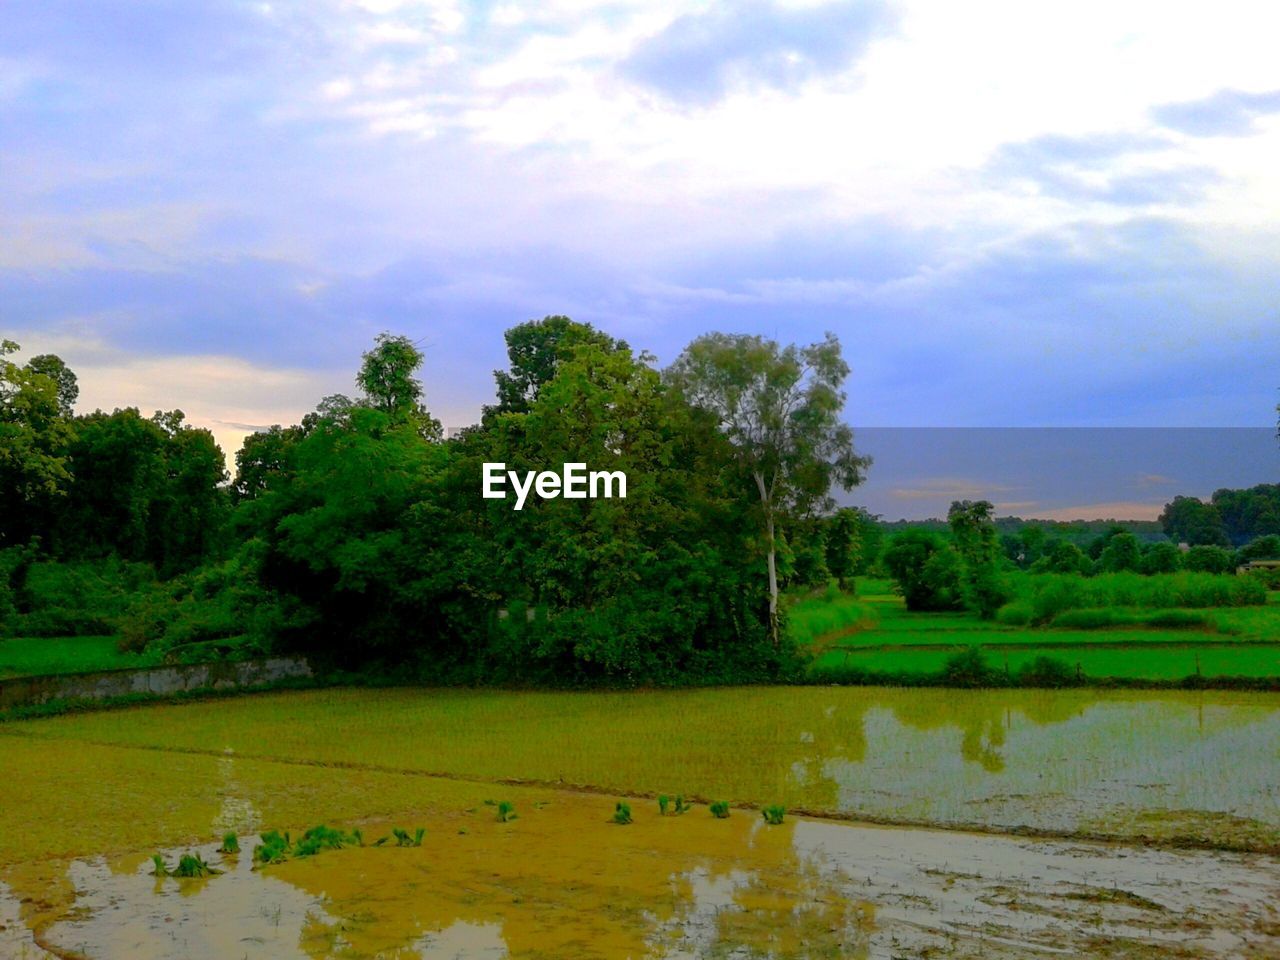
(85, 800)
(562, 881)
(1181, 766)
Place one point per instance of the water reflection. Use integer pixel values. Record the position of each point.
(564, 883)
(1072, 760)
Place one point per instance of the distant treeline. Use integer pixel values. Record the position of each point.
(359, 535)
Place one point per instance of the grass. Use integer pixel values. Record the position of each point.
(1097, 644)
(34, 656)
(1096, 661)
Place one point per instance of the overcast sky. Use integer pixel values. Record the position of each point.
(1011, 213)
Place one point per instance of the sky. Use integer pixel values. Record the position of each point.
(1011, 214)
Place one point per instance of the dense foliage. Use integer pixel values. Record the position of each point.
(359, 536)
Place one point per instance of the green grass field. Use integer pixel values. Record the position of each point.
(875, 632)
(26, 656)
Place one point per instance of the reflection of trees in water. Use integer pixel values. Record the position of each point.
(694, 888)
(778, 906)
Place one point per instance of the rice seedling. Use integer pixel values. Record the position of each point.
(622, 812)
(404, 840)
(321, 838)
(506, 811)
(160, 870)
(720, 809)
(193, 865)
(663, 802)
(773, 814)
(273, 848)
(230, 844)
(681, 806)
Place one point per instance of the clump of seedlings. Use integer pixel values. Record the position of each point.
(773, 814)
(193, 865)
(404, 840)
(189, 865)
(720, 809)
(230, 844)
(622, 812)
(506, 811)
(322, 838)
(674, 807)
(273, 848)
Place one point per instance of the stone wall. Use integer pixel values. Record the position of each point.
(22, 691)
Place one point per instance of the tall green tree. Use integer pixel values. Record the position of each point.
(64, 378)
(974, 535)
(388, 378)
(780, 407)
(1191, 520)
(34, 436)
(535, 351)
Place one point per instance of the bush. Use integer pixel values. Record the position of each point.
(1047, 672)
(1050, 595)
(969, 668)
(1091, 618)
(928, 571)
(1018, 613)
(1204, 559)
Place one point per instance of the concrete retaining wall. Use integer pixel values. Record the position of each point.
(21, 691)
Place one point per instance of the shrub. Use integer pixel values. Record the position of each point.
(1205, 559)
(1047, 672)
(927, 570)
(622, 812)
(1015, 614)
(1050, 594)
(720, 809)
(773, 814)
(1091, 618)
(968, 668)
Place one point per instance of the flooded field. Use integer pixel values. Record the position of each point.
(86, 800)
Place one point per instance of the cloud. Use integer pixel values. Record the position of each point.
(1115, 510)
(1123, 169)
(949, 488)
(700, 57)
(1228, 113)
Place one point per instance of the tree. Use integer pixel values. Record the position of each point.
(1161, 558)
(63, 377)
(780, 408)
(973, 532)
(1190, 520)
(1121, 554)
(927, 569)
(264, 456)
(843, 544)
(535, 350)
(387, 378)
(34, 435)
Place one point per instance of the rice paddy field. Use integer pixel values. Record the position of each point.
(875, 632)
(920, 823)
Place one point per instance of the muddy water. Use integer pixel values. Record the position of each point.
(560, 881)
(85, 800)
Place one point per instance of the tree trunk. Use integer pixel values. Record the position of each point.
(767, 504)
(773, 583)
